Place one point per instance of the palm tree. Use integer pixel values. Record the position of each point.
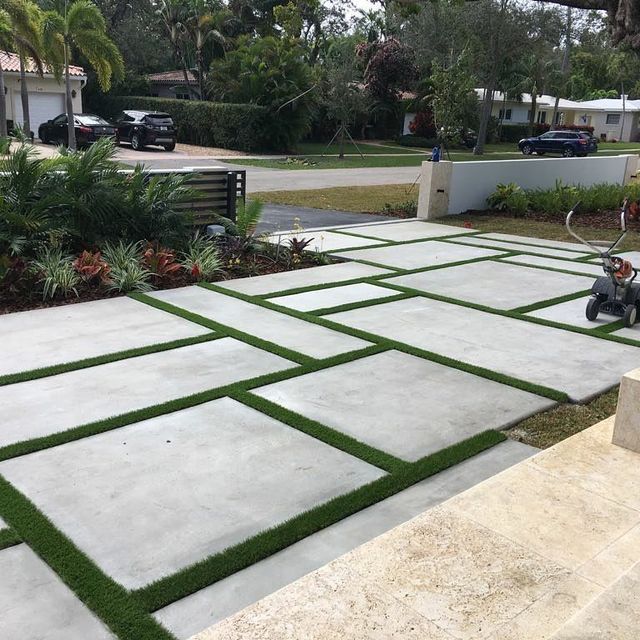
(19, 30)
(82, 26)
(173, 14)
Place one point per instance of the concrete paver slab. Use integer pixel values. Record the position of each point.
(322, 241)
(510, 246)
(56, 403)
(628, 332)
(402, 231)
(580, 365)
(418, 254)
(573, 313)
(46, 337)
(495, 284)
(36, 605)
(301, 336)
(151, 498)
(333, 296)
(212, 604)
(274, 282)
(3, 524)
(440, 405)
(632, 256)
(541, 242)
(554, 263)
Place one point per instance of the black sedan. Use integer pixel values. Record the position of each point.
(89, 128)
(566, 143)
(142, 128)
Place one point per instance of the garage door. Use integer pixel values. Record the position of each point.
(42, 107)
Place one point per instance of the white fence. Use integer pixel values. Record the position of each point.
(451, 188)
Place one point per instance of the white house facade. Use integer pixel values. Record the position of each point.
(46, 94)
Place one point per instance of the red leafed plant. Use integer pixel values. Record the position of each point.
(91, 266)
(298, 245)
(160, 262)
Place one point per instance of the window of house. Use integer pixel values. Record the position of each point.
(559, 117)
(505, 114)
(613, 118)
(542, 117)
(183, 96)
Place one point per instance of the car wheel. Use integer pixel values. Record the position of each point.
(527, 149)
(136, 143)
(43, 137)
(568, 152)
(170, 147)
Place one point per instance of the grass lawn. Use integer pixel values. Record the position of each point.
(318, 148)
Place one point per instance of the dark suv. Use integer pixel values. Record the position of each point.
(567, 143)
(142, 128)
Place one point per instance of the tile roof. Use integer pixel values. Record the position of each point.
(171, 77)
(11, 64)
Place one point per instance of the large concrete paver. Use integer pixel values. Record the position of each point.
(440, 405)
(580, 365)
(36, 605)
(418, 254)
(495, 284)
(409, 230)
(555, 263)
(333, 296)
(512, 246)
(541, 242)
(151, 498)
(212, 604)
(56, 403)
(627, 332)
(279, 328)
(322, 241)
(573, 313)
(46, 337)
(329, 274)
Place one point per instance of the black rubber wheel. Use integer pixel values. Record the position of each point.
(43, 138)
(170, 147)
(630, 315)
(527, 149)
(136, 143)
(593, 307)
(568, 152)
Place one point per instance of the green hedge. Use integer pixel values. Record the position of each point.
(210, 124)
(410, 140)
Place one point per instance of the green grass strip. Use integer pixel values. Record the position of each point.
(330, 436)
(387, 343)
(445, 236)
(348, 306)
(124, 614)
(543, 304)
(554, 269)
(388, 267)
(228, 331)
(115, 422)
(522, 251)
(34, 374)
(8, 538)
(233, 559)
(531, 244)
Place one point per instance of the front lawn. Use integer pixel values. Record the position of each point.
(367, 148)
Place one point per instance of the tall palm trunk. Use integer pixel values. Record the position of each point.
(200, 62)
(71, 128)
(24, 96)
(3, 106)
(534, 104)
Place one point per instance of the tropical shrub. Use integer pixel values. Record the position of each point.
(508, 197)
(91, 266)
(422, 125)
(248, 216)
(202, 258)
(5, 146)
(160, 262)
(56, 273)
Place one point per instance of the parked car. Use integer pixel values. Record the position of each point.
(567, 143)
(89, 128)
(142, 128)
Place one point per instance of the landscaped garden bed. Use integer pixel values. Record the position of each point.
(75, 228)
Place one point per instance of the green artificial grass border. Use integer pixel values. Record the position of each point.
(124, 614)
(550, 302)
(8, 538)
(233, 559)
(523, 251)
(34, 374)
(554, 269)
(529, 244)
(349, 306)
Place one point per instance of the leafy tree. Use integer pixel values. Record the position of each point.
(81, 27)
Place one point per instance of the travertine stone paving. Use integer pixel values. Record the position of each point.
(440, 405)
(573, 313)
(410, 230)
(512, 246)
(328, 274)
(36, 605)
(576, 266)
(84, 331)
(333, 296)
(418, 254)
(322, 241)
(151, 498)
(301, 336)
(543, 355)
(41, 407)
(495, 284)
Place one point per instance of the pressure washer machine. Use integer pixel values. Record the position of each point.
(616, 293)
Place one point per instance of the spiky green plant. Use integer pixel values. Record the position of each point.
(56, 273)
(248, 216)
(202, 258)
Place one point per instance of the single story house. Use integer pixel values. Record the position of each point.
(171, 84)
(46, 94)
(611, 119)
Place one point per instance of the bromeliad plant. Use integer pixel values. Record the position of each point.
(160, 262)
(92, 267)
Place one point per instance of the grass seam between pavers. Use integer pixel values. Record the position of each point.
(32, 445)
(518, 250)
(75, 365)
(8, 538)
(510, 314)
(333, 437)
(489, 374)
(529, 244)
(550, 302)
(228, 331)
(264, 544)
(464, 234)
(553, 269)
(121, 611)
(361, 304)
